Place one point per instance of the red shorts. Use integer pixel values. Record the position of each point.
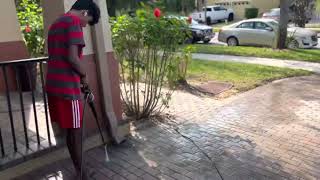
(67, 113)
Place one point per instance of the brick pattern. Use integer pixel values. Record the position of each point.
(272, 132)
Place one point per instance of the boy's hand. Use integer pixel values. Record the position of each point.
(84, 81)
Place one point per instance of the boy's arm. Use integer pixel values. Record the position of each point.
(75, 61)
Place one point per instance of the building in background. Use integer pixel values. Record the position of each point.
(239, 6)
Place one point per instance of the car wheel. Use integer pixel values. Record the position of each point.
(208, 20)
(231, 17)
(293, 44)
(194, 40)
(188, 41)
(232, 41)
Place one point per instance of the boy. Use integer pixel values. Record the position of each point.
(66, 73)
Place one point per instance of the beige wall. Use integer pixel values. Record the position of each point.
(10, 28)
(105, 26)
(264, 5)
(239, 6)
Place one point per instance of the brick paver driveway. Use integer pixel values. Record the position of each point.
(272, 132)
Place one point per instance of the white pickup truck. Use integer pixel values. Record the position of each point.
(214, 14)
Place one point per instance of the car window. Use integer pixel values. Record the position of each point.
(209, 9)
(216, 8)
(246, 25)
(261, 25)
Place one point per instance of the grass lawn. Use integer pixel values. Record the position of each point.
(242, 76)
(315, 29)
(316, 25)
(312, 55)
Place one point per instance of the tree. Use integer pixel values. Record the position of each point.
(187, 6)
(283, 24)
(302, 11)
(116, 6)
(178, 6)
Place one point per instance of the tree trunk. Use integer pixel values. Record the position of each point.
(111, 8)
(283, 24)
(205, 11)
(199, 4)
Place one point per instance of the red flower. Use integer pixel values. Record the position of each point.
(28, 29)
(189, 20)
(157, 12)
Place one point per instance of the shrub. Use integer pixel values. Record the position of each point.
(146, 46)
(251, 13)
(31, 21)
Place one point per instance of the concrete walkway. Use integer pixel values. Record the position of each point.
(315, 67)
(271, 132)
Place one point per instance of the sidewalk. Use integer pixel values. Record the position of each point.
(315, 67)
(271, 132)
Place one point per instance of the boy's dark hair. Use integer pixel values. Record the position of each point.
(91, 7)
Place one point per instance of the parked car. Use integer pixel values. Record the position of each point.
(261, 32)
(198, 32)
(275, 14)
(272, 14)
(214, 14)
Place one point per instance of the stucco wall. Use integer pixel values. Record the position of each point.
(264, 5)
(10, 29)
(239, 6)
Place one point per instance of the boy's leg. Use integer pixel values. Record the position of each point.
(74, 145)
(70, 139)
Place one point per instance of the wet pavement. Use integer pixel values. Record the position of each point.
(271, 132)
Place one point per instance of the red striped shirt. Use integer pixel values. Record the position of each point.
(61, 79)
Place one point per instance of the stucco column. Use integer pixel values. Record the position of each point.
(12, 46)
(100, 63)
(108, 68)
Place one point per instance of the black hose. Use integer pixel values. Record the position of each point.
(202, 151)
(173, 125)
(82, 134)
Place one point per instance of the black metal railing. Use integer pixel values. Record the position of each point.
(20, 77)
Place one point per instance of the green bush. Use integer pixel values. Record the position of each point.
(31, 22)
(146, 47)
(251, 13)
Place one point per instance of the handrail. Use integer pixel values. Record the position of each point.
(30, 60)
(28, 77)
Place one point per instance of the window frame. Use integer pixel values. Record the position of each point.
(255, 25)
(239, 26)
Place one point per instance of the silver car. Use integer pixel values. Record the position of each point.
(261, 32)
